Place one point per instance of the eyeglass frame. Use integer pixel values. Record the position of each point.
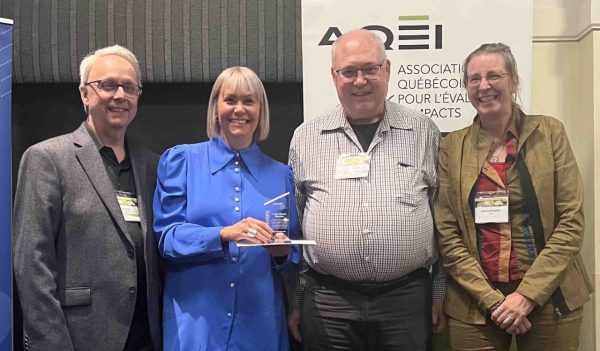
(99, 81)
(487, 78)
(362, 70)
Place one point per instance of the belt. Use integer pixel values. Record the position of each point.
(369, 288)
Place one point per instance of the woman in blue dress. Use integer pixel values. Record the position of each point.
(210, 196)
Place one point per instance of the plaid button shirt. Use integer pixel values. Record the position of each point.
(373, 229)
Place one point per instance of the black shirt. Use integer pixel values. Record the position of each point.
(121, 176)
(365, 133)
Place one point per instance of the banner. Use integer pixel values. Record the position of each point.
(426, 42)
(5, 184)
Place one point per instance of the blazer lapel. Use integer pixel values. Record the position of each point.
(88, 156)
(528, 125)
(475, 149)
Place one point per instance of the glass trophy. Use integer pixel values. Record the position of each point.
(277, 213)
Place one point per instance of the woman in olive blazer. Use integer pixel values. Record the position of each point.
(524, 275)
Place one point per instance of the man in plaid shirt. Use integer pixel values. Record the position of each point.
(365, 173)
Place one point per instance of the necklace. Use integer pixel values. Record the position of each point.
(496, 154)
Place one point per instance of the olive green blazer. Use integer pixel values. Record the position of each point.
(558, 186)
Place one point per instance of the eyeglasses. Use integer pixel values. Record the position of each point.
(492, 77)
(110, 87)
(368, 72)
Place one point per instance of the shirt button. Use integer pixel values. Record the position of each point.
(234, 259)
(366, 258)
(237, 170)
(236, 199)
(237, 154)
(229, 314)
(130, 253)
(366, 231)
(232, 285)
(237, 209)
(365, 204)
(237, 189)
(236, 163)
(132, 290)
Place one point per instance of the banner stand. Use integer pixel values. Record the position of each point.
(6, 51)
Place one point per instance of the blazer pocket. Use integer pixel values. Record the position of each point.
(76, 296)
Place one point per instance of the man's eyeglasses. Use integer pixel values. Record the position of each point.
(110, 87)
(368, 72)
(492, 77)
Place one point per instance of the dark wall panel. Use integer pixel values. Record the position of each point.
(175, 41)
(168, 114)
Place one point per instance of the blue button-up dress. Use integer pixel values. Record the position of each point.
(218, 296)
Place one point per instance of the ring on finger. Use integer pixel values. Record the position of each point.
(498, 310)
(509, 320)
(518, 331)
(251, 232)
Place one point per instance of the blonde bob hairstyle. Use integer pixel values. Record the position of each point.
(234, 78)
(116, 50)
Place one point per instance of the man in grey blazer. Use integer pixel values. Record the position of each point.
(85, 259)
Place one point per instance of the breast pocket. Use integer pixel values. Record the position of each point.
(410, 194)
(405, 175)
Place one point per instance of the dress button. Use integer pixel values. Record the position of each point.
(234, 259)
(237, 209)
(232, 285)
(237, 189)
(132, 290)
(236, 199)
(236, 163)
(229, 314)
(237, 170)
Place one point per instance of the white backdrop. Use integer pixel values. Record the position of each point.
(427, 42)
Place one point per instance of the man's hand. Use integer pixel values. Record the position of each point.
(294, 324)
(438, 317)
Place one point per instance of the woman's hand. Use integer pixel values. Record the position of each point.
(511, 315)
(248, 229)
(279, 250)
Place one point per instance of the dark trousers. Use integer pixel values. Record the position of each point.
(341, 315)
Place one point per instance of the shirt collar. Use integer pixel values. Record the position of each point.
(220, 154)
(389, 120)
(95, 138)
(107, 151)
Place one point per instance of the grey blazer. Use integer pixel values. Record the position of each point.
(74, 261)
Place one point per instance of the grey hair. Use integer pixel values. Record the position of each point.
(376, 39)
(233, 78)
(116, 50)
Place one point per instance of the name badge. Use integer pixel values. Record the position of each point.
(129, 206)
(491, 207)
(352, 166)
